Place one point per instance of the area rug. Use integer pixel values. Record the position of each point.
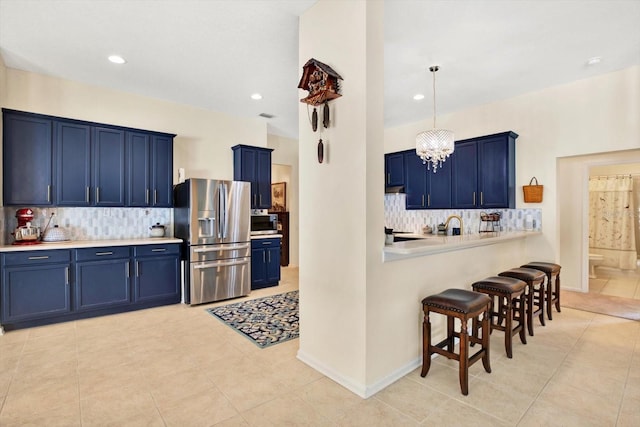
(602, 304)
(265, 321)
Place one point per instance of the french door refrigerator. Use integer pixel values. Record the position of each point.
(213, 217)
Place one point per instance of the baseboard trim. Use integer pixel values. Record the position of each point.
(346, 382)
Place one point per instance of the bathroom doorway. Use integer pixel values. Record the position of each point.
(614, 272)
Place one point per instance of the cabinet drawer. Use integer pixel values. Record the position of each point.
(153, 250)
(97, 254)
(265, 243)
(36, 257)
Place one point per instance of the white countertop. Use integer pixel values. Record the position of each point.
(266, 236)
(429, 244)
(73, 244)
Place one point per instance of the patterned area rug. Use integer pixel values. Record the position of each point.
(265, 321)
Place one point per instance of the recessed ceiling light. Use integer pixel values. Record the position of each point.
(418, 96)
(256, 96)
(595, 60)
(117, 59)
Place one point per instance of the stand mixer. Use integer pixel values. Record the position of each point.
(25, 233)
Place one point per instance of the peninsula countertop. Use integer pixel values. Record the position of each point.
(74, 244)
(429, 244)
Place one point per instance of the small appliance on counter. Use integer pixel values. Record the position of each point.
(157, 230)
(55, 234)
(264, 224)
(25, 233)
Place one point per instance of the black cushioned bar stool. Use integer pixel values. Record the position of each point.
(507, 304)
(463, 305)
(553, 287)
(535, 292)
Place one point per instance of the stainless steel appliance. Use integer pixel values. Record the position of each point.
(264, 224)
(213, 218)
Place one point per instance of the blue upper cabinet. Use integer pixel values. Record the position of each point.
(484, 172)
(73, 163)
(394, 169)
(83, 163)
(108, 166)
(253, 164)
(425, 189)
(149, 170)
(27, 163)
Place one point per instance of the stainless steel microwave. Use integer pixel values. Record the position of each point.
(264, 224)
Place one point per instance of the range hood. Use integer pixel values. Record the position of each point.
(394, 189)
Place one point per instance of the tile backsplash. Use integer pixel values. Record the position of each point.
(93, 223)
(400, 219)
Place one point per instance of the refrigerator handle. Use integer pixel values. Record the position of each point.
(219, 211)
(225, 196)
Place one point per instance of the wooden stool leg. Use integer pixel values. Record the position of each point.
(508, 328)
(521, 311)
(450, 334)
(486, 328)
(541, 296)
(426, 344)
(549, 296)
(464, 355)
(557, 290)
(530, 309)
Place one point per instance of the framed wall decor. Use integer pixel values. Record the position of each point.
(279, 196)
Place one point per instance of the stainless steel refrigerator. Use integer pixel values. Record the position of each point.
(213, 217)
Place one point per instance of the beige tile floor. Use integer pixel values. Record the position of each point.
(617, 283)
(178, 366)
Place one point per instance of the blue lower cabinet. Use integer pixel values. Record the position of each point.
(265, 262)
(157, 274)
(35, 292)
(101, 284)
(48, 286)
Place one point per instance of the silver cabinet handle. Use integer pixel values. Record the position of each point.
(429, 199)
(97, 194)
(159, 250)
(254, 199)
(269, 256)
(126, 269)
(39, 257)
(137, 269)
(264, 256)
(104, 253)
(474, 197)
(155, 197)
(86, 195)
(481, 198)
(48, 193)
(66, 275)
(422, 201)
(260, 199)
(266, 243)
(146, 197)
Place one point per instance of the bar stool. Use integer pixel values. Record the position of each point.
(553, 291)
(535, 292)
(507, 303)
(463, 305)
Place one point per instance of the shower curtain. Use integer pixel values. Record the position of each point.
(611, 221)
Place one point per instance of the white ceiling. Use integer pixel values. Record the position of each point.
(214, 54)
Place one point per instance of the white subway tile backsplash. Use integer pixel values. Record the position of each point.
(400, 219)
(94, 223)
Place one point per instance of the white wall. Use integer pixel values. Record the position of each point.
(286, 153)
(341, 204)
(204, 137)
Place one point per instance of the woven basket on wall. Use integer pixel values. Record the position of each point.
(533, 193)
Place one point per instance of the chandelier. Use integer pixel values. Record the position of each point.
(435, 145)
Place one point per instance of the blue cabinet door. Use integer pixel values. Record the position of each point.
(464, 175)
(253, 164)
(108, 166)
(439, 186)
(73, 163)
(138, 169)
(273, 264)
(496, 171)
(27, 163)
(102, 284)
(264, 179)
(34, 292)
(162, 170)
(415, 185)
(258, 268)
(394, 169)
(157, 278)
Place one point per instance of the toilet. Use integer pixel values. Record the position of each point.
(594, 260)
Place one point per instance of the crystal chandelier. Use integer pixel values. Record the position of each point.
(435, 145)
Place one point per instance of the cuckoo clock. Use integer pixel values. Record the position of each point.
(321, 81)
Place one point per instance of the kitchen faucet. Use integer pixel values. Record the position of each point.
(450, 217)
